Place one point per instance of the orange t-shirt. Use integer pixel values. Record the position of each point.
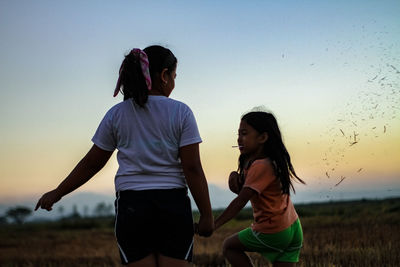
(272, 210)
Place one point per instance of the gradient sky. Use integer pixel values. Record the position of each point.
(328, 70)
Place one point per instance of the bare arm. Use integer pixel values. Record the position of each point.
(235, 206)
(91, 164)
(197, 183)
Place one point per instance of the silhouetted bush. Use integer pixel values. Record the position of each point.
(19, 214)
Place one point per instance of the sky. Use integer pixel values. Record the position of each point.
(328, 70)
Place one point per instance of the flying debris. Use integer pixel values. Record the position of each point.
(368, 114)
(393, 67)
(341, 180)
(373, 79)
(355, 136)
(353, 143)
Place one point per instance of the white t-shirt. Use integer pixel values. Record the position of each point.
(148, 141)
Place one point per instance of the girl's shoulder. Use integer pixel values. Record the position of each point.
(265, 165)
(261, 168)
(119, 107)
(163, 100)
(264, 161)
(178, 103)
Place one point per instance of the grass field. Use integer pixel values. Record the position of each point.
(357, 233)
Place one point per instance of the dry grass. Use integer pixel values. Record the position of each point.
(328, 241)
(368, 239)
(59, 248)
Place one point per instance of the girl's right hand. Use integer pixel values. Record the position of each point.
(47, 200)
(235, 184)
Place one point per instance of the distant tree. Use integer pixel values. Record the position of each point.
(85, 211)
(18, 214)
(3, 220)
(61, 211)
(75, 214)
(103, 210)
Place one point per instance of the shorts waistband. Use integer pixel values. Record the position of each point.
(158, 192)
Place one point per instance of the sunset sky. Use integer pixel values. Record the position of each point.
(328, 70)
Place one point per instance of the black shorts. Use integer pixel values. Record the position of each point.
(154, 221)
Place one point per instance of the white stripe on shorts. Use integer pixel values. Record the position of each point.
(188, 252)
(115, 230)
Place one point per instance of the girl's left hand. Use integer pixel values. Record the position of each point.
(47, 200)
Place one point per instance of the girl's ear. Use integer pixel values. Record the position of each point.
(263, 138)
(163, 76)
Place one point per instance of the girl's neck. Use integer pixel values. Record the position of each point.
(259, 154)
(155, 92)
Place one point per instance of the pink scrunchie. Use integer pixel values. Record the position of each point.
(144, 64)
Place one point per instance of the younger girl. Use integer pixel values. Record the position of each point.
(265, 178)
(158, 154)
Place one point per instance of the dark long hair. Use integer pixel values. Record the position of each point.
(133, 82)
(274, 149)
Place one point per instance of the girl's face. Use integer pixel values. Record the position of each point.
(249, 140)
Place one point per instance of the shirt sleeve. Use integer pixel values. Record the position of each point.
(190, 133)
(259, 176)
(104, 137)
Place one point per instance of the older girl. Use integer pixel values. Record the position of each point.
(158, 154)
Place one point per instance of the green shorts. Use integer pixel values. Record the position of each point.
(283, 246)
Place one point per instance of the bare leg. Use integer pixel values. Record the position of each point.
(234, 252)
(148, 261)
(284, 264)
(165, 261)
